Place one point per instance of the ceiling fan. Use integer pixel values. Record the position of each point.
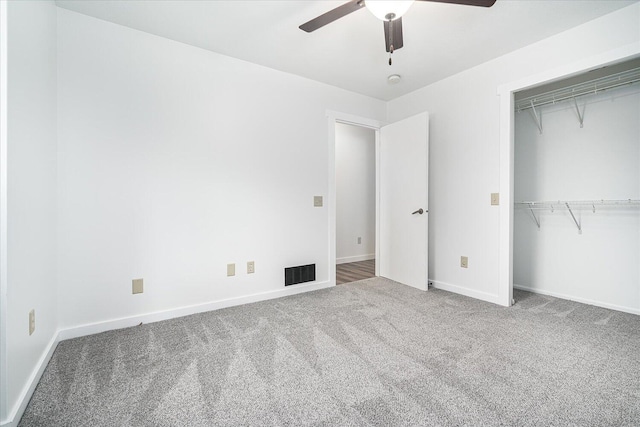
(389, 11)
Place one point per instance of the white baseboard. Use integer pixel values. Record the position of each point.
(94, 328)
(16, 412)
(125, 322)
(578, 299)
(356, 258)
(484, 296)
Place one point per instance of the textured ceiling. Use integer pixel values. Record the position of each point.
(439, 39)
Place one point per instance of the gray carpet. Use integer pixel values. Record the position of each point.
(369, 353)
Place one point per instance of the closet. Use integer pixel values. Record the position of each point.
(577, 188)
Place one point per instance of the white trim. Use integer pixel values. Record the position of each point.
(355, 258)
(331, 195)
(126, 322)
(578, 299)
(426, 205)
(505, 210)
(334, 117)
(25, 396)
(350, 119)
(506, 93)
(4, 387)
(484, 296)
(377, 237)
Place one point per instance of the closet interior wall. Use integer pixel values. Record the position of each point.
(601, 264)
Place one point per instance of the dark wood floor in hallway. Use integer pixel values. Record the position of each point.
(354, 271)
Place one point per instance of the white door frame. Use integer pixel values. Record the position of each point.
(3, 213)
(334, 117)
(507, 140)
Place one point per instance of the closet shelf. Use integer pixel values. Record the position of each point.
(578, 203)
(572, 205)
(575, 91)
(587, 88)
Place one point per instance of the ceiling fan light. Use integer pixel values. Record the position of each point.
(388, 9)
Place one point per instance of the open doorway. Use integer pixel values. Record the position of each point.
(401, 197)
(355, 163)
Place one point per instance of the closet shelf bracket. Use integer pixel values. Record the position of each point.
(574, 218)
(537, 117)
(580, 114)
(533, 214)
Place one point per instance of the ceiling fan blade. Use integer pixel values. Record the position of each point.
(332, 15)
(482, 3)
(397, 34)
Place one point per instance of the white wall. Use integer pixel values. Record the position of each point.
(464, 147)
(599, 161)
(355, 193)
(175, 161)
(31, 192)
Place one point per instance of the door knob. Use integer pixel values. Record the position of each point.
(419, 211)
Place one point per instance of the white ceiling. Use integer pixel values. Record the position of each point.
(439, 39)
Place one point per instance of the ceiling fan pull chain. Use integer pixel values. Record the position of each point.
(390, 41)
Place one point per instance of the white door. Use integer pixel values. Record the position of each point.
(404, 186)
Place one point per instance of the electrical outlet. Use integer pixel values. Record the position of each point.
(251, 267)
(32, 322)
(464, 262)
(495, 199)
(317, 201)
(231, 270)
(359, 240)
(137, 286)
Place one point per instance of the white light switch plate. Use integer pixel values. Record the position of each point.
(495, 199)
(317, 201)
(231, 269)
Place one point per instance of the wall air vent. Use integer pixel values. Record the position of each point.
(299, 274)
